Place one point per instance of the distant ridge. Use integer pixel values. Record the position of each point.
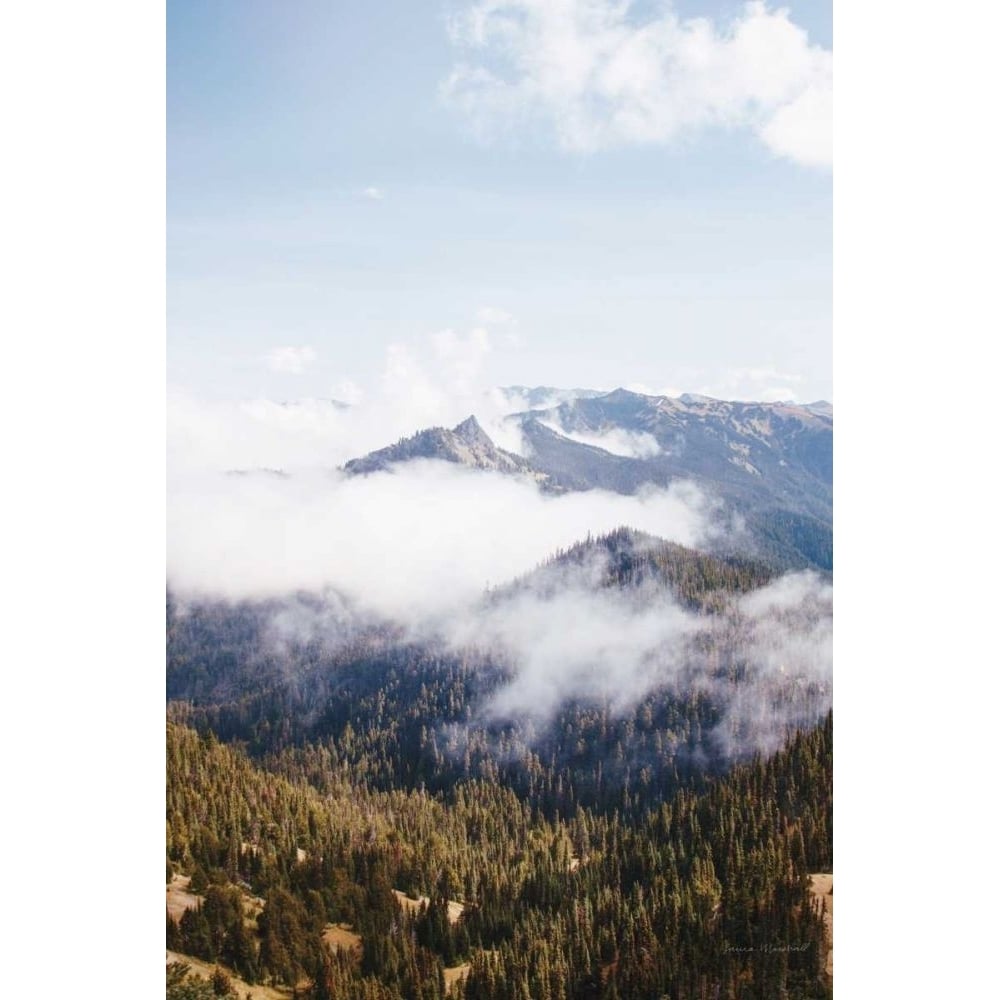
(770, 463)
(465, 444)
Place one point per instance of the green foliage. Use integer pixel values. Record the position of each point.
(222, 985)
(705, 892)
(181, 985)
(616, 854)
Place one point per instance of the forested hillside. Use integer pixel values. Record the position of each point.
(320, 762)
(704, 895)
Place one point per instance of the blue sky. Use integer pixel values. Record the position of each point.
(330, 195)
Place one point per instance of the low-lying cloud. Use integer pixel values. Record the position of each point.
(258, 508)
(423, 539)
(785, 638)
(579, 643)
(403, 543)
(766, 660)
(616, 440)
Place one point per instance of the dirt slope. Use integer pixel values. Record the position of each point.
(821, 886)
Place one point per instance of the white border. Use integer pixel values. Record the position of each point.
(83, 319)
(915, 259)
(915, 319)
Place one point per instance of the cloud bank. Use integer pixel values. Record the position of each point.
(569, 639)
(257, 509)
(578, 643)
(600, 76)
(421, 541)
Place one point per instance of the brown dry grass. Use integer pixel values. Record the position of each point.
(242, 987)
(178, 898)
(453, 974)
(340, 937)
(821, 886)
(336, 936)
(455, 910)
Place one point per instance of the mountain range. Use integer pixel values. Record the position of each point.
(770, 463)
(607, 777)
(466, 444)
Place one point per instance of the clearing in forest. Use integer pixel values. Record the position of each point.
(242, 987)
(455, 910)
(340, 937)
(821, 886)
(178, 897)
(454, 973)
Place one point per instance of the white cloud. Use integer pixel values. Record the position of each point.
(462, 357)
(348, 391)
(600, 77)
(761, 384)
(566, 636)
(502, 323)
(753, 384)
(492, 316)
(420, 541)
(419, 545)
(290, 360)
(421, 538)
(617, 440)
(434, 381)
(578, 642)
(373, 194)
(644, 389)
(437, 381)
(778, 394)
(803, 129)
(737, 375)
(785, 635)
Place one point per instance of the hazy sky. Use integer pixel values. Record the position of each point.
(589, 192)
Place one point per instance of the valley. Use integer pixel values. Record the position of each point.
(607, 776)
